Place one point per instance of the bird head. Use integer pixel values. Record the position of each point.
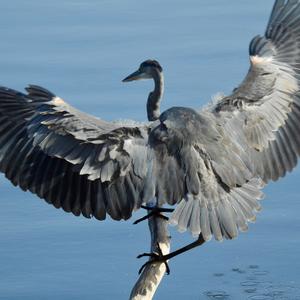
(145, 71)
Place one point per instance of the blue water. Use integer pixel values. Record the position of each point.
(82, 50)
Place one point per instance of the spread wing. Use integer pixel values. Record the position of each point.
(74, 161)
(264, 111)
(261, 119)
(91, 167)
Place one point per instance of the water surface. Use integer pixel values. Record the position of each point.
(81, 50)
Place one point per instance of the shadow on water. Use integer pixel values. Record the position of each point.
(255, 284)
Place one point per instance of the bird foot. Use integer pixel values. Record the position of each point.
(158, 257)
(154, 212)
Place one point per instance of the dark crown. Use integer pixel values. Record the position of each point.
(151, 63)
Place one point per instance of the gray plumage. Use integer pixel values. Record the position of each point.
(211, 164)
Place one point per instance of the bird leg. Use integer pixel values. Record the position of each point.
(159, 257)
(154, 212)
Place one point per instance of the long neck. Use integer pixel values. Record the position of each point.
(153, 103)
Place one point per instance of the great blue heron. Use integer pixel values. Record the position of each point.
(211, 164)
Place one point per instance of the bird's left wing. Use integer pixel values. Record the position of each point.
(206, 174)
(264, 111)
(257, 135)
(73, 160)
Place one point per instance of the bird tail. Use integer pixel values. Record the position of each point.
(223, 219)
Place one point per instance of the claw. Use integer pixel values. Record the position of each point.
(159, 257)
(144, 218)
(155, 211)
(146, 254)
(155, 258)
(161, 209)
(143, 267)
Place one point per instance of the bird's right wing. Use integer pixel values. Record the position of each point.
(73, 160)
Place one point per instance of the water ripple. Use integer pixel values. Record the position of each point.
(217, 295)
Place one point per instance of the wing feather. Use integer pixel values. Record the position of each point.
(266, 103)
(258, 139)
(71, 159)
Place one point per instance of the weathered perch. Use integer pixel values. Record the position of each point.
(152, 274)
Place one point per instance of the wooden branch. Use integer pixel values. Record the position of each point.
(150, 278)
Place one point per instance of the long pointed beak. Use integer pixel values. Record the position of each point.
(134, 76)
